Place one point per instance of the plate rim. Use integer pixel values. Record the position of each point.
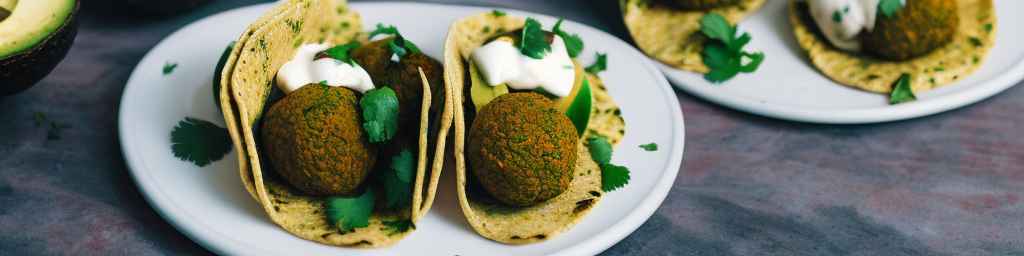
(192, 227)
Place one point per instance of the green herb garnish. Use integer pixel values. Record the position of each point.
(341, 53)
(349, 213)
(612, 176)
(724, 53)
(837, 16)
(601, 64)
(399, 45)
(533, 43)
(169, 68)
(200, 142)
(498, 13)
(573, 43)
(901, 91)
(380, 114)
(976, 42)
(650, 146)
(398, 180)
(397, 226)
(890, 7)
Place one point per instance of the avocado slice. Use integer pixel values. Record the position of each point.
(34, 38)
(480, 92)
(580, 108)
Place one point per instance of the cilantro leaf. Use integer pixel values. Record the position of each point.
(613, 177)
(169, 68)
(650, 146)
(398, 180)
(383, 30)
(901, 91)
(601, 64)
(724, 54)
(398, 226)
(498, 13)
(890, 7)
(380, 114)
(573, 43)
(533, 43)
(199, 141)
(340, 53)
(348, 213)
(600, 149)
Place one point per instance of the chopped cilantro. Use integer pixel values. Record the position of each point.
(975, 41)
(498, 13)
(200, 142)
(340, 53)
(724, 54)
(600, 149)
(533, 43)
(380, 114)
(573, 43)
(601, 64)
(169, 68)
(987, 27)
(890, 7)
(837, 16)
(383, 30)
(901, 91)
(348, 213)
(650, 146)
(398, 180)
(613, 177)
(399, 46)
(397, 226)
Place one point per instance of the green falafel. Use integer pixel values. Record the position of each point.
(917, 29)
(315, 141)
(522, 149)
(401, 76)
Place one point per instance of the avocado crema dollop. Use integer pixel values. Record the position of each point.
(501, 62)
(307, 68)
(917, 28)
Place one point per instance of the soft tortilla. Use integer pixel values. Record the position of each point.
(672, 35)
(945, 65)
(521, 225)
(261, 52)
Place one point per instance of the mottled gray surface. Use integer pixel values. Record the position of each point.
(949, 184)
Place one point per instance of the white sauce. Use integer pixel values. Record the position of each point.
(501, 62)
(303, 69)
(855, 16)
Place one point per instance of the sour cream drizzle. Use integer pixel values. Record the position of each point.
(501, 62)
(304, 69)
(842, 20)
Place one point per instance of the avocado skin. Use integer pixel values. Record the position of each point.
(22, 70)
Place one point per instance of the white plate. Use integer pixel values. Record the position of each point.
(788, 87)
(211, 207)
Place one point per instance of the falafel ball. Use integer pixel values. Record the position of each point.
(314, 138)
(700, 4)
(522, 149)
(919, 28)
(403, 77)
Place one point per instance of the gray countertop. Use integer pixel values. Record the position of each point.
(948, 184)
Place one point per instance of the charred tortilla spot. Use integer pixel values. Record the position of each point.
(583, 205)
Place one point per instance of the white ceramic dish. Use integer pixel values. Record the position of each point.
(210, 206)
(788, 87)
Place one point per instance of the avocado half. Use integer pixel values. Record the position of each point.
(28, 57)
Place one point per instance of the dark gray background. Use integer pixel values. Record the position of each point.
(948, 184)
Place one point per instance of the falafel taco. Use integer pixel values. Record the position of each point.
(920, 44)
(527, 116)
(670, 30)
(341, 133)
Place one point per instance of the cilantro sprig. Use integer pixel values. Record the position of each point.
(601, 64)
(397, 180)
(169, 67)
(398, 226)
(573, 43)
(724, 53)
(380, 114)
(901, 91)
(349, 213)
(889, 8)
(533, 43)
(200, 142)
(340, 52)
(399, 46)
(650, 146)
(612, 176)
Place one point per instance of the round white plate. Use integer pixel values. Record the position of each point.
(210, 206)
(788, 87)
